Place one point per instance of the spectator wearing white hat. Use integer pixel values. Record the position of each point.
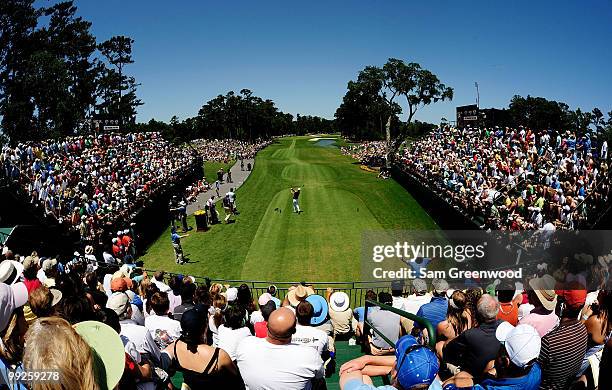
(12, 325)
(117, 248)
(340, 313)
(10, 271)
(90, 256)
(231, 294)
(139, 335)
(257, 316)
(516, 365)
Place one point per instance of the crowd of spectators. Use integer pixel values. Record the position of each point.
(224, 150)
(96, 184)
(143, 328)
(546, 334)
(515, 179)
(504, 178)
(370, 153)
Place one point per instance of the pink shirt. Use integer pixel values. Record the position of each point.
(542, 323)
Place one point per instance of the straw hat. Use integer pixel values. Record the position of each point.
(544, 288)
(299, 294)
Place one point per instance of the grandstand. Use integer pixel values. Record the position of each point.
(352, 330)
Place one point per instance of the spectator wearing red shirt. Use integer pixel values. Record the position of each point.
(508, 303)
(116, 248)
(30, 270)
(261, 328)
(126, 240)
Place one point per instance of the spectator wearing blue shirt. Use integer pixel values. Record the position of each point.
(435, 311)
(176, 244)
(418, 264)
(414, 367)
(359, 313)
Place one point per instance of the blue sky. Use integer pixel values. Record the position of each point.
(302, 54)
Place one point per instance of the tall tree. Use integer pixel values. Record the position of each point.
(70, 39)
(18, 20)
(363, 112)
(118, 52)
(420, 87)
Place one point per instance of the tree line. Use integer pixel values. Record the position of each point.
(240, 116)
(54, 73)
(540, 113)
(370, 108)
(55, 77)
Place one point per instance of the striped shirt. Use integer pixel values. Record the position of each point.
(561, 355)
(434, 311)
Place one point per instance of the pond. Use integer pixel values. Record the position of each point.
(326, 142)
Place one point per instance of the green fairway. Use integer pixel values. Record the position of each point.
(269, 242)
(211, 168)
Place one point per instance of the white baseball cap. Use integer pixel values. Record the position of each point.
(522, 342)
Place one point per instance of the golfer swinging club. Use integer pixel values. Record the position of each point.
(296, 195)
(176, 244)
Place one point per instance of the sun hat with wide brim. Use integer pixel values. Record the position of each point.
(299, 294)
(544, 288)
(320, 309)
(107, 347)
(339, 301)
(11, 298)
(10, 271)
